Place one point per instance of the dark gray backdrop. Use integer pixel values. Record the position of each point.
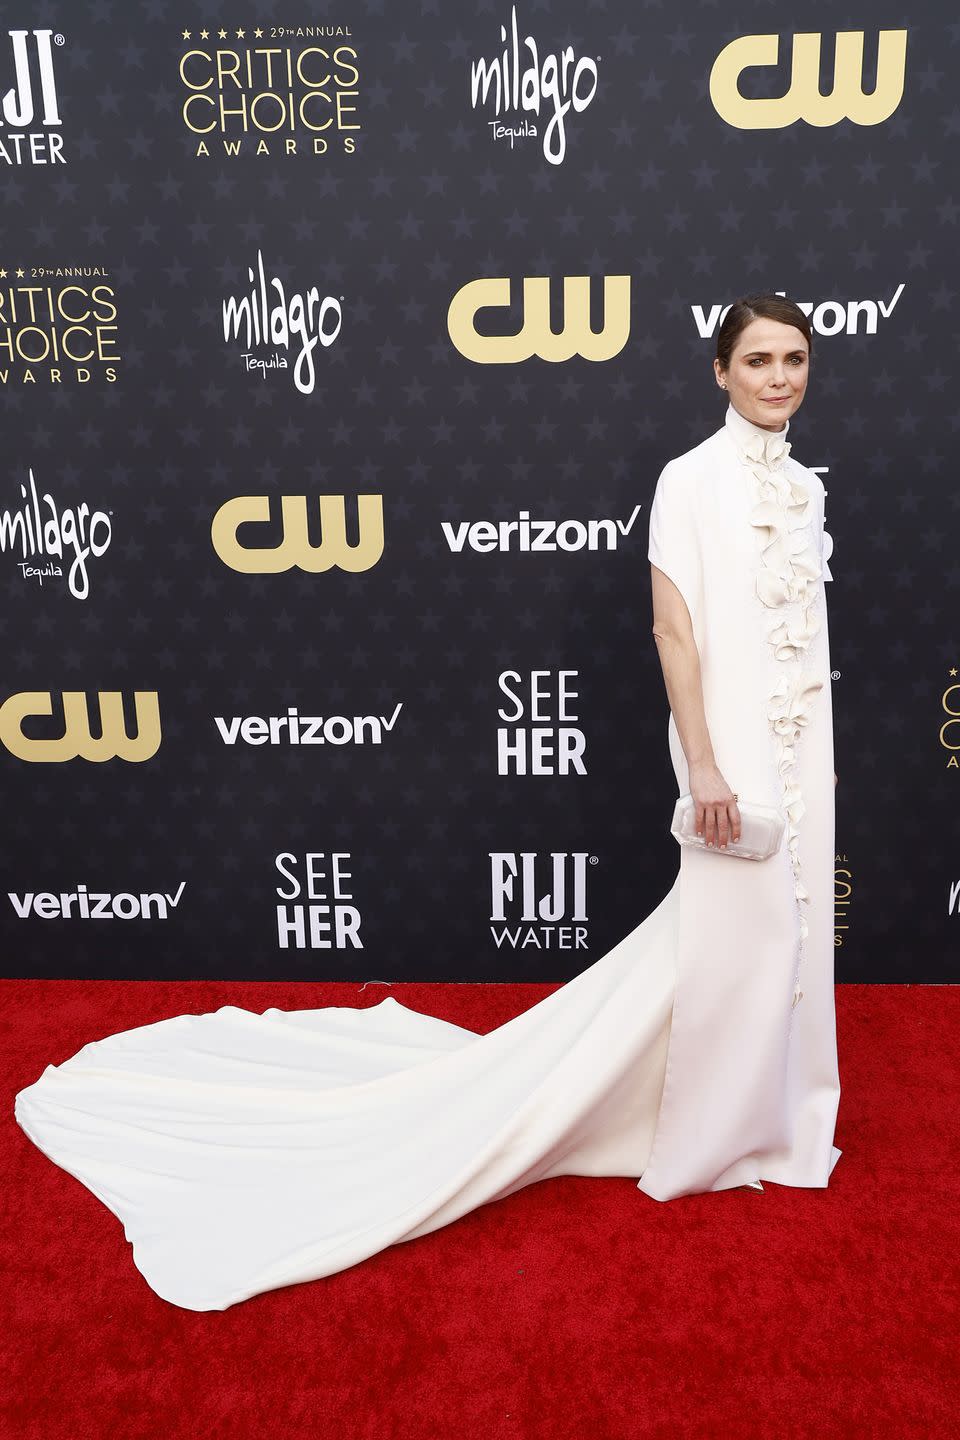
(654, 185)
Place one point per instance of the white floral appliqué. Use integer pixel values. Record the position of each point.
(788, 587)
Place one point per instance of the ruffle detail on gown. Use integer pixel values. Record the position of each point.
(787, 586)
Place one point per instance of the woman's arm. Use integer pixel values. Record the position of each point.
(718, 817)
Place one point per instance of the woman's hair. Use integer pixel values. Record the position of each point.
(767, 306)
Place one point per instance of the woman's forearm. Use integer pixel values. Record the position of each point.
(680, 662)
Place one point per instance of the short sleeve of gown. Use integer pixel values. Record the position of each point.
(675, 535)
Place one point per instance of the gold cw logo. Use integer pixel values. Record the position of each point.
(294, 549)
(78, 740)
(535, 337)
(803, 100)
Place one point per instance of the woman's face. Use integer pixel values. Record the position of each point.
(768, 372)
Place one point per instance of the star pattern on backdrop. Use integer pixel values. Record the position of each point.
(653, 185)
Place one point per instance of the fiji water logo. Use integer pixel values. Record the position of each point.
(539, 901)
(521, 84)
(22, 107)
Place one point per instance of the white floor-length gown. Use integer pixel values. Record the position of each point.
(244, 1151)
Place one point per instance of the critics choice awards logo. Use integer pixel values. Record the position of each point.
(58, 323)
(270, 90)
(950, 727)
(842, 895)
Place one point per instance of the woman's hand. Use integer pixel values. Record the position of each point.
(718, 815)
(834, 777)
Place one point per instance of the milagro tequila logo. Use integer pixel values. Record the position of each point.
(48, 536)
(539, 902)
(266, 316)
(518, 83)
(21, 106)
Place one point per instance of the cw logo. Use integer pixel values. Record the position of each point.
(535, 336)
(78, 740)
(294, 549)
(803, 100)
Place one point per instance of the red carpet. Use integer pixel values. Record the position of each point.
(577, 1309)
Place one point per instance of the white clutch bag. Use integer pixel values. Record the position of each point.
(761, 830)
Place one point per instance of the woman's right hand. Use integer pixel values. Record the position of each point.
(717, 813)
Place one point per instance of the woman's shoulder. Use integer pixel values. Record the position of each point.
(684, 469)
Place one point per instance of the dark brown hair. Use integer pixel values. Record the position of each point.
(767, 306)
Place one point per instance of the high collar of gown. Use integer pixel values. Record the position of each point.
(764, 447)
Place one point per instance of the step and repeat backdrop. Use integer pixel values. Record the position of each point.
(341, 348)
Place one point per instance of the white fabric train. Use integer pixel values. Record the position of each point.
(244, 1152)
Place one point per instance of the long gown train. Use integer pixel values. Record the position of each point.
(244, 1152)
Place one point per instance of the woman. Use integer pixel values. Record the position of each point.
(739, 555)
(246, 1152)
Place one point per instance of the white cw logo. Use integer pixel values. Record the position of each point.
(803, 100)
